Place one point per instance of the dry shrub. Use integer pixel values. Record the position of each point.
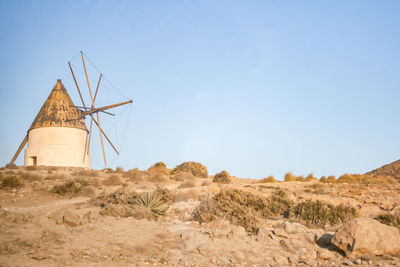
(56, 177)
(366, 179)
(269, 179)
(317, 188)
(29, 176)
(311, 178)
(136, 175)
(195, 168)
(119, 169)
(88, 191)
(242, 208)
(222, 178)
(321, 214)
(182, 176)
(122, 203)
(158, 168)
(71, 188)
(31, 168)
(9, 172)
(187, 184)
(11, 182)
(329, 179)
(112, 180)
(289, 177)
(389, 219)
(158, 177)
(11, 166)
(86, 173)
(300, 178)
(108, 170)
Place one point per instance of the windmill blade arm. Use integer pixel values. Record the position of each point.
(108, 113)
(21, 146)
(94, 110)
(104, 134)
(76, 84)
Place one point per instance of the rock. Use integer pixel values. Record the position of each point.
(281, 260)
(72, 219)
(279, 232)
(324, 240)
(327, 255)
(40, 255)
(364, 236)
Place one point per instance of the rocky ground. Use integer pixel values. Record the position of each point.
(81, 225)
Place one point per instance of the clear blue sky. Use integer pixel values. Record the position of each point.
(253, 87)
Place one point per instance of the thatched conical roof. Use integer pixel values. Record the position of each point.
(59, 111)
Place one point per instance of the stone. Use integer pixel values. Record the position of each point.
(281, 260)
(327, 255)
(365, 236)
(72, 219)
(279, 232)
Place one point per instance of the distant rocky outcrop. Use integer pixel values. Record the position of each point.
(391, 169)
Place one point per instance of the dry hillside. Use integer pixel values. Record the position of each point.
(186, 217)
(391, 169)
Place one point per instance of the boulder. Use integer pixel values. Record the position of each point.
(365, 236)
(72, 219)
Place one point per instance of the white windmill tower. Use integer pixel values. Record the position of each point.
(58, 136)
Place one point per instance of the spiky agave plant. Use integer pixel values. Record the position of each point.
(154, 201)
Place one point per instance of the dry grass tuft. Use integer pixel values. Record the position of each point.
(311, 178)
(86, 173)
(329, 179)
(195, 168)
(27, 176)
(119, 169)
(269, 179)
(31, 168)
(11, 182)
(112, 180)
(56, 176)
(289, 177)
(71, 188)
(222, 178)
(136, 175)
(389, 219)
(187, 184)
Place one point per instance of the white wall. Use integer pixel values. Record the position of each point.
(57, 146)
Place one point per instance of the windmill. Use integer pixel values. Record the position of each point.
(58, 136)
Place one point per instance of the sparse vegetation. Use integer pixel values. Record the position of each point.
(329, 179)
(366, 179)
(11, 182)
(86, 173)
(195, 168)
(122, 203)
(269, 179)
(71, 188)
(222, 178)
(389, 219)
(136, 175)
(187, 184)
(311, 178)
(112, 180)
(289, 177)
(158, 168)
(119, 169)
(319, 213)
(31, 168)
